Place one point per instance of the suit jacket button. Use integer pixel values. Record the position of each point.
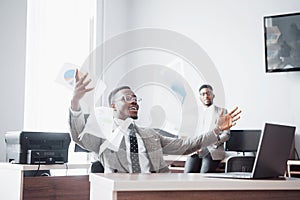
(115, 171)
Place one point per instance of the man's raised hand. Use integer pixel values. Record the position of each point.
(80, 89)
(227, 121)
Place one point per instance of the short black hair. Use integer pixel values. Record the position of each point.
(115, 91)
(206, 86)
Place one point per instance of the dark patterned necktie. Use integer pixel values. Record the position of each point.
(134, 152)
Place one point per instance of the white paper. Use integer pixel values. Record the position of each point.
(92, 127)
(100, 121)
(99, 90)
(104, 118)
(66, 75)
(113, 142)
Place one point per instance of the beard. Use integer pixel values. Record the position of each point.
(134, 117)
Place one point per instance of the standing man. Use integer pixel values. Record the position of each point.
(207, 159)
(140, 150)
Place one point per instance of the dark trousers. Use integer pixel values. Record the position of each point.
(196, 164)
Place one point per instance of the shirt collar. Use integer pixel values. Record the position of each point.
(211, 107)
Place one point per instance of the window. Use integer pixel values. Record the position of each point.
(58, 32)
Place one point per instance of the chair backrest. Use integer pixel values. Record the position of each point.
(239, 164)
(97, 167)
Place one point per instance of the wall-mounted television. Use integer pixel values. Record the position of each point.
(282, 42)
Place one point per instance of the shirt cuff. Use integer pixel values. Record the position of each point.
(217, 132)
(75, 113)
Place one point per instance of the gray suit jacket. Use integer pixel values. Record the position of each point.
(156, 146)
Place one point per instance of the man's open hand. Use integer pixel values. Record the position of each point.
(227, 121)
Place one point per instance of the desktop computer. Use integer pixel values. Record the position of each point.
(27, 147)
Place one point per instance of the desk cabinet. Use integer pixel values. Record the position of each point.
(15, 186)
(56, 187)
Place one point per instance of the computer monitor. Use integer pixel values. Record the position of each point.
(243, 140)
(28, 147)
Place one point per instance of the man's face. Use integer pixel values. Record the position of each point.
(206, 96)
(125, 104)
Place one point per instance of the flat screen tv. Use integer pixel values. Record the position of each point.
(282, 42)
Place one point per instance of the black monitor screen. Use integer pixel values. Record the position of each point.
(243, 140)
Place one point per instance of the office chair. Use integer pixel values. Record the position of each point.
(245, 141)
(97, 167)
(239, 164)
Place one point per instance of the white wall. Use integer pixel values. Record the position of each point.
(231, 32)
(12, 62)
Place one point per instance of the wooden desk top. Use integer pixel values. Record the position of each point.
(169, 181)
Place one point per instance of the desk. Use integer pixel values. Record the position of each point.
(14, 186)
(188, 186)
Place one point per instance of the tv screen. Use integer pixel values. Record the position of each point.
(282, 42)
(243, 140)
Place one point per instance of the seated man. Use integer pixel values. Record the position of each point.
(207, 159)
(140, 150)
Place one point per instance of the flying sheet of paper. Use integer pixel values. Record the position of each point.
(100, 120)
(92, 127)
(104, 118)
(92, 97)
(99, 123)
(99, 89)
(113, 141)
(66, 75)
